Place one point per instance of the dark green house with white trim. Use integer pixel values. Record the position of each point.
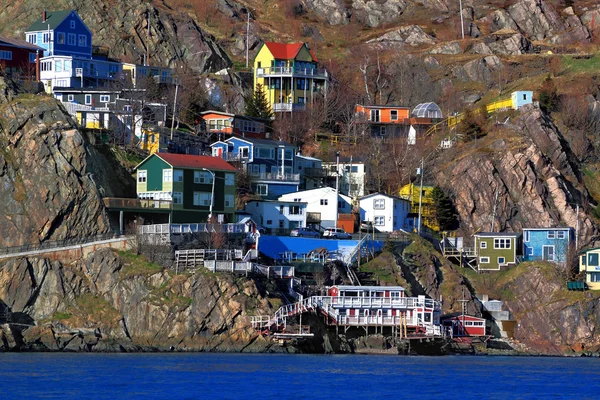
(183, 185)
(495, 250)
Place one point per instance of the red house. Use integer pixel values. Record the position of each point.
(17, 57)
(464, 325)
(226, 125)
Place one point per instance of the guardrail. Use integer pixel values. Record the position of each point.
(49, 245)
(289, 71)
(274, 176)
(122, 202)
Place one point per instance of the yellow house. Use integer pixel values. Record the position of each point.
(289, 75)
(589, 262)
(411, 192)
(137, 72)
(159, 140)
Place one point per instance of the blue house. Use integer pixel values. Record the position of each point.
(270, 163)
(521, 98)
(61, 33)
(547, 244)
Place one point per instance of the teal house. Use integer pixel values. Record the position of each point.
(547, 244)
(187, 187)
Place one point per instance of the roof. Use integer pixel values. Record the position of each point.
(66, 89)
(590, 249)
(317, 190)
(346, 287)
(19, 43)
(53, 19)
(284, 51)
(307, 157)
(427, 110)
(276, 201)
(193, 162)
(497, 234)
(458, 315)
(346, 160)
(388, 106)
(382, 194)
(562, 228)
(266, 142)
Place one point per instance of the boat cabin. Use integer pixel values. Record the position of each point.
(464, 325)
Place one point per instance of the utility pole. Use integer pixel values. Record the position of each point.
(494, 212)
(462, 24)
(247, 36)
(577, 230)
(337, 181)
(174, 107)
(420, 198)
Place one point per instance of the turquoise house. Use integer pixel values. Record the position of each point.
(521, 98)
(547, 244)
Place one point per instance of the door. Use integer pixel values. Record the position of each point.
(548, 253)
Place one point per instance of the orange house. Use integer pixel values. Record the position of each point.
(226, 125)
(384, 120)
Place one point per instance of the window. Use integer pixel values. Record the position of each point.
(32, 38)
(142, 176)
(202, 199)
(379, 204)
(297, 200)
(592, 260)
(265, 153)
(560, 234)
(58, 66)
(502, 243)
(5, 55)
(295, 210)
(177, 198)
(104, 98)
(526, 236)
(382, 131)
(88, 99)
(82, 40)
(72, 22)
(551, 235)
(60, 38)
(67, 65)
(229, 179)
(244, 152)
(548, 253)
(229, 199)
(32, 57)
(324, 202)
(288, 155)
(594, 276)
(262, 189)
(178, 175)
(379, 221)
(374, 115)
(71, 97)
(71, 39)
(203, 177)
(583, 260)
(281, 224)
(280, 209)
(501, 260)
(484, 260)
(394, 115)
(525, 97)
(46, 37)
(167, 175)
(483, 245)
(529, 251)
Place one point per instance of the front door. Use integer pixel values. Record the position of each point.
(548, 253)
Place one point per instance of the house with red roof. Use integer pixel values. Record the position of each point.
(189, 188)
(289, 74)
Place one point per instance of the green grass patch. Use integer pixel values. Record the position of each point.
(581, 64)
(61, 316)
(384, 269)
(137, 265)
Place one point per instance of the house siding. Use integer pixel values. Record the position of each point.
(533, 249)
(493, 254)
(154, 183)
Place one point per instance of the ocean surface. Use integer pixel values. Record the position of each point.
(272, 376)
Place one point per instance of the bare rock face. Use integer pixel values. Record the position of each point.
(447, 48)
(375, 12)
(100, 304)
(533, 171)
(480, 70)
(509, 44)
(591, 19)
(411, 35)
(537, 19)
(501, 19)
(334, 10)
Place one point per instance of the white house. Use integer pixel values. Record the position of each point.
(310, 171)
(352, 176)
(320, 205)
(277, 214)
(388, 213)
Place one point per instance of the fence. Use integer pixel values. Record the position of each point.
(49, 245)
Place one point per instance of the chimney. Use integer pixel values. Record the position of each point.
(44, 15)
(37, 66)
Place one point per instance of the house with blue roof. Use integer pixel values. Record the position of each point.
(270, 163)
(547, 244)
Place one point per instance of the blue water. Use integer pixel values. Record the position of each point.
(265, 376)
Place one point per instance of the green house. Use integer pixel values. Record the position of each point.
(183, 186)
(496, 250)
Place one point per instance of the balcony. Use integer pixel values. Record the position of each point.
(286, 107)
(235, 157)
(315, 172)
(291, 72)
(275, 176)
(137, 204)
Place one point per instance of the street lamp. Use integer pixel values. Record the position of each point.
(337, 179)
(212, 193)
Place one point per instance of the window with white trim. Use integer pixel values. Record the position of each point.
(178, 175)
(324, 202)
(265, 153)
(167, 175)
(142, 176)
(483, 245)
(379, 220)
(177, 198)
(529, 251)
(5, 55)
(244, 151)
(394, 115)
(501, 260)
(502, 243)
(229, 200)
(104, 98)
(229, 179)
(203, 177)
(202, 198)
(262, 189)
(560, 234)
(71, 97)
(71, 39)
(551, 235)
(88, 99)
(379, 204)
(47, 37)
(32, 38)
(526, 236)
(484, 260)
(81, 40)
(374, 115)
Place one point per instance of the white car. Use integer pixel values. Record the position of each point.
(336, 233)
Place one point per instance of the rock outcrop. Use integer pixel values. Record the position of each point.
(333, 10)
(531, 167)
(106, 303)
(411, 35)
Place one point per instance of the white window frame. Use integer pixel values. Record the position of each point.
(177, 198)
(71, 39)
(379, 220)
(560, 234)
(378, 204)
(553, 252)
(502, 243)
(241, 151)
(32, 38)
(483, 245)
(551, 235)
(503, 260)
(526, 236)
(71, 97)
(178, 175)
(104, 98)
(142, 176)
(530, 251)
(229, 179)
(88, 99)
(203, 178)
(484, 260)
(374, 115)
(392, 118)
(264, 186)
(82, 40)
(202, 198)
(324, 202)
(167, 175)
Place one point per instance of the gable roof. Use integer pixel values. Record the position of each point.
(53, 18)
(284, 51)
(556, 228)
(265, 142)
(193, 162)
(497, 234)
(324, 190)
(19, 43)
(391, 196)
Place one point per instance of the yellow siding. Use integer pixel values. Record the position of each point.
(142, 186)
(264, 58)
(410, 192)
(147, 144)
(167, 186)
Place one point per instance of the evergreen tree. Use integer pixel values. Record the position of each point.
(257, 105)
(445, 212)
(470, 126)
(548, 95)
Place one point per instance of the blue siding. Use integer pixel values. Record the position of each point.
(534, 242)
(521, 98)
(273, 246)
(64, 48)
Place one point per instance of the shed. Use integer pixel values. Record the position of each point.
(427, 110)
(464, 325)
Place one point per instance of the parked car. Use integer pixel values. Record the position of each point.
(366, 226)
(336, 233)
(304, 232)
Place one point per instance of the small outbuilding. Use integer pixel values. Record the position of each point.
(427, 110)
(464, 325)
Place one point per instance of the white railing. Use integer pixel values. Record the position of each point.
(289, 71)
(352, 256)
(191, 228)
(288, 107)
(72, 108)
(242, 267)
(275, 176)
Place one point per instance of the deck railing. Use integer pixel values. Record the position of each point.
(191, 228)
(277, 107)
(289, 71)
(122, 202)
(275, 176)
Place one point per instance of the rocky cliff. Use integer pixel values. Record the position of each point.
(112, 302)
(52, 177)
